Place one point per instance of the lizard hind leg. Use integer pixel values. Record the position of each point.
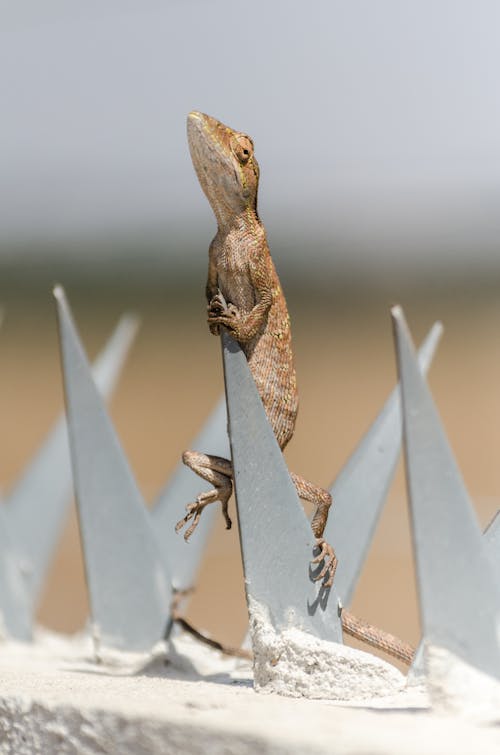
(322, 499)
(218, 472)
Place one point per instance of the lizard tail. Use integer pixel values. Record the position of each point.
(377, 638)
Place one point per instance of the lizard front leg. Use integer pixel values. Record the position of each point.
(218, 472)
(322, 500)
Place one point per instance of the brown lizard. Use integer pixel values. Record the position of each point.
(244, 296)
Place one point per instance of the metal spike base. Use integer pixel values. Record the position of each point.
(459, 595)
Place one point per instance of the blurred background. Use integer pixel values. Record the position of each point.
(376, 128)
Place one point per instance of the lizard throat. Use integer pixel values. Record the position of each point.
(244, 223)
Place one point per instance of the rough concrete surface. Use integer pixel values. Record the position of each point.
(297, 664)
(455, 687)
(55, 699)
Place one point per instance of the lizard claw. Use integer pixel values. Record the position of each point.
(221, 313)
(193, 514)
(230, 320)
(194, 511)
(217, 304)
(326, 554)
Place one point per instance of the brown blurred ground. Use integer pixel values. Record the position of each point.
(346, 368)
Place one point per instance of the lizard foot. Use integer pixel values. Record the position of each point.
(194, 510)
(221, 313)
(326, 554)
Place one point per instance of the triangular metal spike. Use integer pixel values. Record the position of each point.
(127, 574)
(492, 540)
(276, 539)
(360, 489)
(15, 607)
(184, 486)
(35, 509)
(15, 610)
(459, 597)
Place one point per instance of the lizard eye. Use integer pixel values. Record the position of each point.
(242, 148)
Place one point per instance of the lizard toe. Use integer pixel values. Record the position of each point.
(329, 559)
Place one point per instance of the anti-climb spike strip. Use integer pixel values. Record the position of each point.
(276, 539)
(458, 593)
(360, 489)
(32, 515)
(35, 509)
(15, 608)
(183, 487)
(127, 573)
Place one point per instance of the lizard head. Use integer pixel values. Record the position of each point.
(225, 165)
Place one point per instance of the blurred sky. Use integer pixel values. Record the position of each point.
(376, 124)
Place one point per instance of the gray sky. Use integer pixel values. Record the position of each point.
(376, 122)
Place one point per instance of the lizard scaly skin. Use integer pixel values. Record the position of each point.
(244, 296)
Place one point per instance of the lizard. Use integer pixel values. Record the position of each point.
(245, 297)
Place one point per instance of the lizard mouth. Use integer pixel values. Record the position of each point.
(200, 135)
(195, 115)
(206, 138)
(202, 127)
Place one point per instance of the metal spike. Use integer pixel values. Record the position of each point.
(492, 541)
(360, 489)
(127, 574)
(15, 606)
(184, 486)
(459, 598)
(36, 507)
(15, 611)
(276, 539)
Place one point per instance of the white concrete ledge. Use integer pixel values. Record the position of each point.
(53, 699)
